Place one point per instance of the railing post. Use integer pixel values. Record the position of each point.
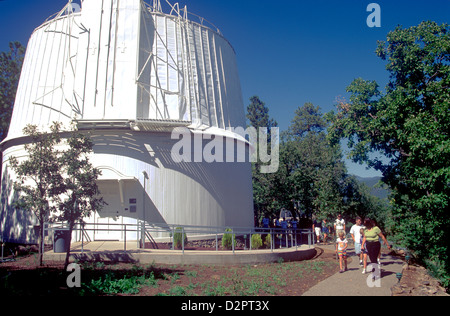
(182, 239)
(295, 234)
(287, 240)
(271, 240)
(125, 239)
(172, 238)
(217, 242)
(82, 238)
(232, 239)
(137, 232)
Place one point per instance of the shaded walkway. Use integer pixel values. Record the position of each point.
(354, 283)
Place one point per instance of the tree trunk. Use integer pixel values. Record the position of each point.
(66, 263)
(41, 242)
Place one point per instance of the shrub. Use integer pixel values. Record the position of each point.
(268, 241)
(111, 283)
(227, 239)
(178, 237)
(256, 241)
(436, 268)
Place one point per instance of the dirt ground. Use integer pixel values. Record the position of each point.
(280, 279)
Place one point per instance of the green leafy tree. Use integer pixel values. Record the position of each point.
(39, 178)
(409, 124)
(56, 181)
(308, 119)
(81, 194)
(311, 173)
(317, 171)
(10, 67)
(360, 202)
(263, 184)
(258, 114)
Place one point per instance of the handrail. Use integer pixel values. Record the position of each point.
(288, 237)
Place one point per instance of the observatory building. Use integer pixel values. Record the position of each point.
(131, 74)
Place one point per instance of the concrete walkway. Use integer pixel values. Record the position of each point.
(354, 283)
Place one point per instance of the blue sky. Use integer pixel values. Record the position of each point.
(288, 52)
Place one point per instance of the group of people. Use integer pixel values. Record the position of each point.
(280, 223)
(325, 229)
(366, 238)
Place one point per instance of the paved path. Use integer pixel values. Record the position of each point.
(354, 283)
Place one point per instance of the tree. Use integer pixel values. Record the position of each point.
(57, 181)
(258, 116)
(319, 173)
(81, 195)
(409, 125)
(360, 202)
(307, 120)
(10, 67)
(311, 172)
(39, 178)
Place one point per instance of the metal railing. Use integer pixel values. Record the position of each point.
(272, 238)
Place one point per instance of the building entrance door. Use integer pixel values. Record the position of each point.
(108, 221)
(107, 228)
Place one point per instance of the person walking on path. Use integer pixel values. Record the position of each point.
(371, 241)
(356, 236)
(317, 228)
(353, 282)
(341, 250)
(363, 251)
(339, 225)
(325, 230)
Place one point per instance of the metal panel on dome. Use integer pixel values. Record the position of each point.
(127, 60)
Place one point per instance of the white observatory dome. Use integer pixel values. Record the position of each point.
(129, 62)
(130, 74)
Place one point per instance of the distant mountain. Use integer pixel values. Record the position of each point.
(374, 189)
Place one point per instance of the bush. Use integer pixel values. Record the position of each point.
(437, 269)
(227, 239)
(268, 241)
(112, 284)
(256, 241)
(178, 238)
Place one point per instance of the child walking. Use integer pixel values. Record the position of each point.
(341, 250)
